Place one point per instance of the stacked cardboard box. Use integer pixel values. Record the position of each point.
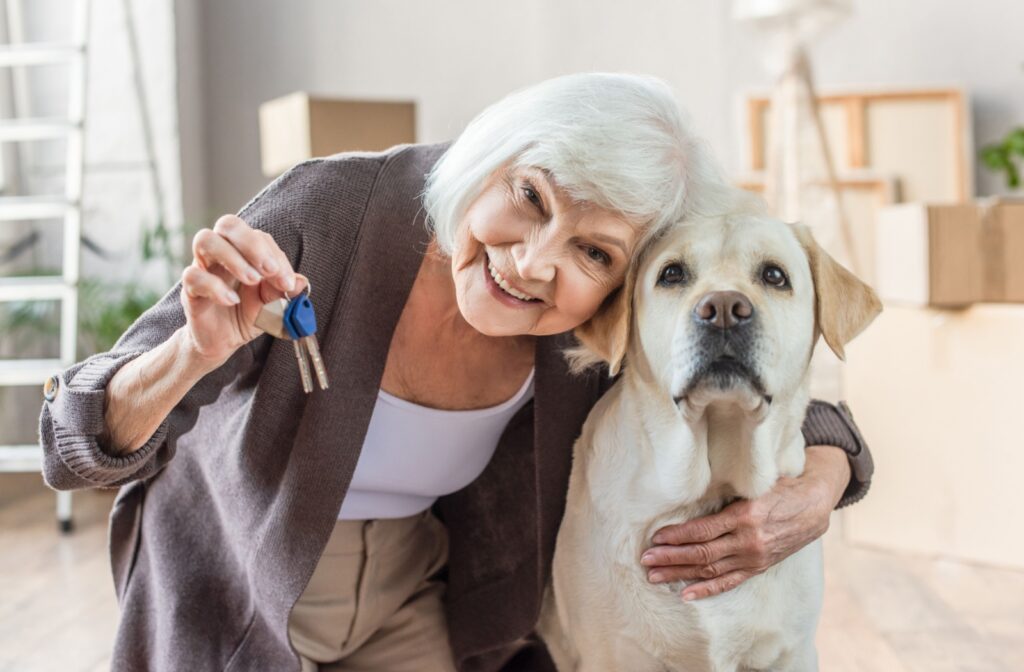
(951, 255)
(299, 126)
(937, 392)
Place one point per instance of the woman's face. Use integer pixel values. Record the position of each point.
(530, 260)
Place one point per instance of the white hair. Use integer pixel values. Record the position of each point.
(618, 141)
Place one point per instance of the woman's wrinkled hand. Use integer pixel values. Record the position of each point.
(235, 271)
(720, 551)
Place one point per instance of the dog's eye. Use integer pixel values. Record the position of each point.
(673, 274)
(775, 276)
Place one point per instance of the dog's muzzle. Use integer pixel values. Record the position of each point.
(725, 339)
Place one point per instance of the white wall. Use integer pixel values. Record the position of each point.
(452, 57)
(119, 192)
(456, 56)
(191, 123)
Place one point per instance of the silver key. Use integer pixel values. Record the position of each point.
(318, 363)
(302, 320)
(271, 320)
(300, 354)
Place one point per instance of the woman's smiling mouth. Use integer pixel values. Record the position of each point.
(502, 290)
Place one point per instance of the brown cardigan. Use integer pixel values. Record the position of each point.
(211, 549)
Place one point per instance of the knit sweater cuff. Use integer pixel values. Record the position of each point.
(828, 425)
(74, 419)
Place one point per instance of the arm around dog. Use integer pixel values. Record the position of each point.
(828, 425)
(824, 425)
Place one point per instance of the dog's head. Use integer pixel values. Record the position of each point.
(729, 307)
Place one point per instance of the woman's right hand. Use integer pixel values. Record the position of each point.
(235, 270)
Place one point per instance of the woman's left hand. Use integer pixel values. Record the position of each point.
(722, 550)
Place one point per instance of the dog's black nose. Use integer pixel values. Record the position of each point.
(723, 310)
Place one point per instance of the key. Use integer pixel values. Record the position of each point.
(300, 322)
(300, 354)
(295, 320)
(271, 319)
(298, 343)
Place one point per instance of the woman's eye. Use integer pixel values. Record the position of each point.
(774, 276)
(531, 195)
(673, 274)
(597, 255)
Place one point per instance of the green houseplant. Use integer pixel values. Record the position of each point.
(1006, 156)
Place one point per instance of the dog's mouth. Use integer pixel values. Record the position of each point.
(728, 366)
(724, 372)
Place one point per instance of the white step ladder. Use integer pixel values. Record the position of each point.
(68, 207)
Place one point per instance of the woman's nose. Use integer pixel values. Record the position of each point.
(536, 261)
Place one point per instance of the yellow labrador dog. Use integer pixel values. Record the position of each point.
(716, 326)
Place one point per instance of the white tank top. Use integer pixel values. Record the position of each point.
(413, 454)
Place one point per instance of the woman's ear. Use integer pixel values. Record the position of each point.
(844, 305)
(605, 336)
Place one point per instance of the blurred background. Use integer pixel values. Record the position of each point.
(895, 129)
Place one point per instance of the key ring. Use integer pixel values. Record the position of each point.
(308, 290)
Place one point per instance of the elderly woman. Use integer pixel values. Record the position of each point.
(260, 528)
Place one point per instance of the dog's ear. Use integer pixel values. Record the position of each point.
(605, 336)
(844, 305)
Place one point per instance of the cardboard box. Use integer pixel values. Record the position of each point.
(938, 397)
(1002, 241)
(300, 126)
(950, 255)
(927, 255)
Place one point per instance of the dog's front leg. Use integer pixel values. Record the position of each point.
(803, 658)
(550, 629)
(616, 653)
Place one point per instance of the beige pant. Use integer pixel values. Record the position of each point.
(372, 603)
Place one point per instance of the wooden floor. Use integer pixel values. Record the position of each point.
(57, 608)
(884, 612)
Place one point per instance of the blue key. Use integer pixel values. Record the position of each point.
(300, 323)
(299, 317)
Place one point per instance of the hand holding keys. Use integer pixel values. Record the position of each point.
(294, 320)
